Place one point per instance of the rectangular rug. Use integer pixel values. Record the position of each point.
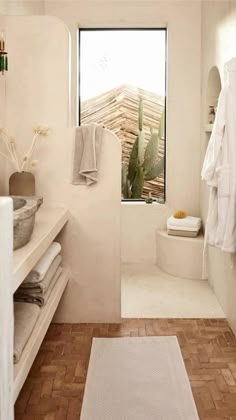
(137, 378)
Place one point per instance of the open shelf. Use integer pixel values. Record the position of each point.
(48, 223)
(22, 368)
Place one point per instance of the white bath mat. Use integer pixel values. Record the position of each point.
(137, 378)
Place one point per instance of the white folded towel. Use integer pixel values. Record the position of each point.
(186, 233)
(39, 299)
(42, 286)
(188, 223)
(41, 268)
(183, 228)
(25, 316)
(88, 143)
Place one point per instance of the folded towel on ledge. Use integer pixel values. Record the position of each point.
(25, 317)
(186, 229)
(41, 286)
(189, 223)
(88, 143)
(186, 233)
(41, 268)
(39, 299)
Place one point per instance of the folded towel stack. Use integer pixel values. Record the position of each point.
(187, 226)
(38, 285)
(34, 293)
(25, 317)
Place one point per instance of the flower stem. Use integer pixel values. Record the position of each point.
(10, 149)
(29, 153)
(6, 157)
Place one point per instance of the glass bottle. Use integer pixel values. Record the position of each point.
(211, 115)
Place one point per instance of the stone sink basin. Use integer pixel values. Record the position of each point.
(24, 218)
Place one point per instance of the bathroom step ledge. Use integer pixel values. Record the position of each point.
(48, 223)
(22, 368)
(179, 256)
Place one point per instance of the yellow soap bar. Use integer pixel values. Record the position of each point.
(180, 214)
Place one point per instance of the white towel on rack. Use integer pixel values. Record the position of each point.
(41, 268)
(88, 143)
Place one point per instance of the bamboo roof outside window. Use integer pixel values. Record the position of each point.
(117, 110)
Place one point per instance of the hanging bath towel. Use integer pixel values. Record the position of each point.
(219, 168)
(87, 151)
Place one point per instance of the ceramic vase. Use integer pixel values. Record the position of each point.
(22, 183)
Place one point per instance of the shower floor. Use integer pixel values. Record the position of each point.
(147, 292)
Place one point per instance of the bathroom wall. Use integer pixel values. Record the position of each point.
(22, 7)
(3, 7)
(218, 46)
(2, 111)
(12, 7)
(91, 239)
(183, 20)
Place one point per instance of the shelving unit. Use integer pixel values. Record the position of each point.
(6, 309)
(17, 264)
(22, 368)
(49, 222)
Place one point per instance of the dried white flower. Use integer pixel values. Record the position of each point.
(44, 131)
(11, 140)
(10, 145)
(34, 163)
(40, 129)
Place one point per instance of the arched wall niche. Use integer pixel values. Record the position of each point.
(213, 89)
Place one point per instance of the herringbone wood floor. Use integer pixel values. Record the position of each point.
(54, 388)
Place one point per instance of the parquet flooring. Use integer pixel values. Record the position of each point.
(54, 388)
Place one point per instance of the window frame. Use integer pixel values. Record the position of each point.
(161, 28)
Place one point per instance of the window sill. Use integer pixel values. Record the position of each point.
(141, 203)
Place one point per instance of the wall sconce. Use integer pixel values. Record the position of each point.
(3, 55)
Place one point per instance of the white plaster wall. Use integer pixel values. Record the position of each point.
(218, 46)
(38, 91)
(91, 239)
(22, 7)
(183, 20)
(2, 112)
(139, 222)
(3, 7)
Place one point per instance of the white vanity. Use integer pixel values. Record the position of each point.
(14, 267)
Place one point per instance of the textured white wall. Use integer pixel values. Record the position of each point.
(218, 46)
(139, 222)
(12, 7)
(22, 7)
(183, 20)
(3, 7)
(91, 240)
(2, 113)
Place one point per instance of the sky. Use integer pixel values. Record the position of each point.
(110, 58)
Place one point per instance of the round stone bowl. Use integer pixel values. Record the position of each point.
(24, 212)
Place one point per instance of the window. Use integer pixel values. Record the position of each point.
(123, 76)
